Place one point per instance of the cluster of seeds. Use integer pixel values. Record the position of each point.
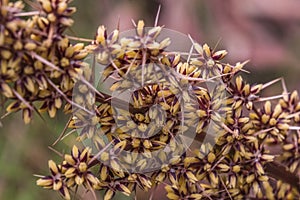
(185, 121)
(38, 62)
(142, 142)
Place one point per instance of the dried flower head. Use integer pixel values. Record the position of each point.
(155, 135)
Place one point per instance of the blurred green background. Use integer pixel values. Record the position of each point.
(251, 29)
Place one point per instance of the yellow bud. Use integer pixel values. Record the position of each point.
(61, 7)
(6, 90)
(44, 182)
(78, 47)
(52, 111)
(69, 159)
(267, 157)
(30, 46)
(239, 83)
(214, 179)
(79, 180)
(2, 38)
(288, 147)
(142, 127)
(273, 122)
(277, 111)
(109, 194)
(6, 54)
(57, 185)
(82, 167)
(191, 177)
(125, 190)
(198, 48)
(46, 4)
(52, 18)
(259, 168)
(220, 54)
(263, 178)
(207, 50)
(236, 168)
(104, 156)
(75, 152)
(283, 126)
(250, 178)
(18, 45)
(103, 173)
(26, 116)
(58, 103)
(53, 167)
(64, 62)
(101, 35)
(147, 144)
(165, 43)
(140, 28)
(265, 118)
(211, 157)
(67, 195)
(154, 32)
(267, 107)
(29, 84)
(70, 172)
(80, 56)
(114, 36)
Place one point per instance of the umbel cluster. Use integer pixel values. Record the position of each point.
(244, 146)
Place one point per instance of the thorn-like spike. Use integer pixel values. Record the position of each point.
(157, 16)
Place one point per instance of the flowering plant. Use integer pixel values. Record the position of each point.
(186, 121)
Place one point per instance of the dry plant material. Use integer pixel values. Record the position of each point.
(170, 100)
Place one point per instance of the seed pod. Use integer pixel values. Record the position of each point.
(70, 160)
(46, 5)
(191, 177)
(52, 110)
(61, 7)
(101, 35)
(211, 157)
(103, 173)
(147, 144)
(207, 51)
(115, 165)
(213, 179)
(122, 188)
(219, 55)
(2, 38)
(165, 43)
(13, 107)
(6, 54)
(82, 167)
(259, 168)
(27, 115)
(70, 173)
(44, 182)
(236, 168)
(80, 55)
(198, 48)
(30, 46)
(6, 90)
(114, 36)
(140, 28)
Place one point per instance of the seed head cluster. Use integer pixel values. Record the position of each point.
(38, 63)
(243, 145)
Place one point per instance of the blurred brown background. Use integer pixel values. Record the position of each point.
(266, 32)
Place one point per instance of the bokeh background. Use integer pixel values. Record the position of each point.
(265, 32)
